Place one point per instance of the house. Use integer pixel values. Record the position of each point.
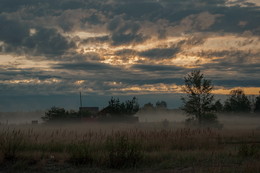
(105, 115)
(90, 110)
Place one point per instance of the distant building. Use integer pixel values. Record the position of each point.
(91, 110)
(34, 121)
(105, 116)
(105, 112)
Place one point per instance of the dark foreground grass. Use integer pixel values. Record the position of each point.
(79, 149)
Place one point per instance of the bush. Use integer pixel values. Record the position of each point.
(123, 153)
(165, 123)
(246, 150)
(80, 154)
(10, 145)
(208, 120)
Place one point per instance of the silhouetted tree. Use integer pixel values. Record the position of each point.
(148, 106)
(161, 105)
(237, 102)
(218, 106)
(55, 114)
(131, 107)
(257, 104)
(116, 108)
(198, 103)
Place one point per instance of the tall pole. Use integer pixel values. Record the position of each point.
(80, 99)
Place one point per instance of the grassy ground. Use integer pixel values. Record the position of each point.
(143, 147)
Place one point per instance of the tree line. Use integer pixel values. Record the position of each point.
(115, 108)
(199, 104)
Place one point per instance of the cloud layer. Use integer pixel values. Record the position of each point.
(122, 47)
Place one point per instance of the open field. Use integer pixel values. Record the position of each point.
(143, 147)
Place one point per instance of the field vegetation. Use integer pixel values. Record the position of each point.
(143, 147)
(213, 138)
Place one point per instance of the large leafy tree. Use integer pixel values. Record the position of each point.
(55, 114)
(161, 105)
(237, 102)
(117, 108)
(218, 106)
(257, 104)
(198, 103)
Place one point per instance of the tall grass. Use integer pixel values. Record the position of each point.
(129, 148)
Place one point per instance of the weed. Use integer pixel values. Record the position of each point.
(80, 154)
(123, 153)
(10, 144)
(247, 150)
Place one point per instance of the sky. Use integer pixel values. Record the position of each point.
(50, 50)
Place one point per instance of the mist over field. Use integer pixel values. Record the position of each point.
(111, 86)
(175, 117)
(160, 141)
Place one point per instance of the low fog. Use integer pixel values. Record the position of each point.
(175, 118)
(21, 117)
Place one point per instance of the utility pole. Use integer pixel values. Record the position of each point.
(80, 99)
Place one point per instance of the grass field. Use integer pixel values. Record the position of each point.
(143, 147)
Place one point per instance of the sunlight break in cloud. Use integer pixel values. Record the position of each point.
(115, 47)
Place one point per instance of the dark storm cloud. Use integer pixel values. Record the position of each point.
(159, 68)
(137, 9)
(125, 22)
(234, 56)
(48, 41)
(152, 80)
(13, 32)
(232, 17)
(234, 62)
(91, 40)
(107, 73)
(140, 10)
(160, 53)
(35, 88)
(124, 19)
(96, 71)
(18, 39)
(13, 5)
(164, 53)
(166, 71)
(86, 66)
(7, 74)
(125, 32)
(237, 83)
(246, 69)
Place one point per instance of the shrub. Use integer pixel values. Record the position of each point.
(246, 150)
(80, 154)
(123, 153)
(165, 123)
(10, 144)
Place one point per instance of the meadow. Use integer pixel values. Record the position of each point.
(140, 147)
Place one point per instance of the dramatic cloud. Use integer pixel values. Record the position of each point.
(160, 53)
(155, 68)
(123, 47)
(125, 32)
(20, 38)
